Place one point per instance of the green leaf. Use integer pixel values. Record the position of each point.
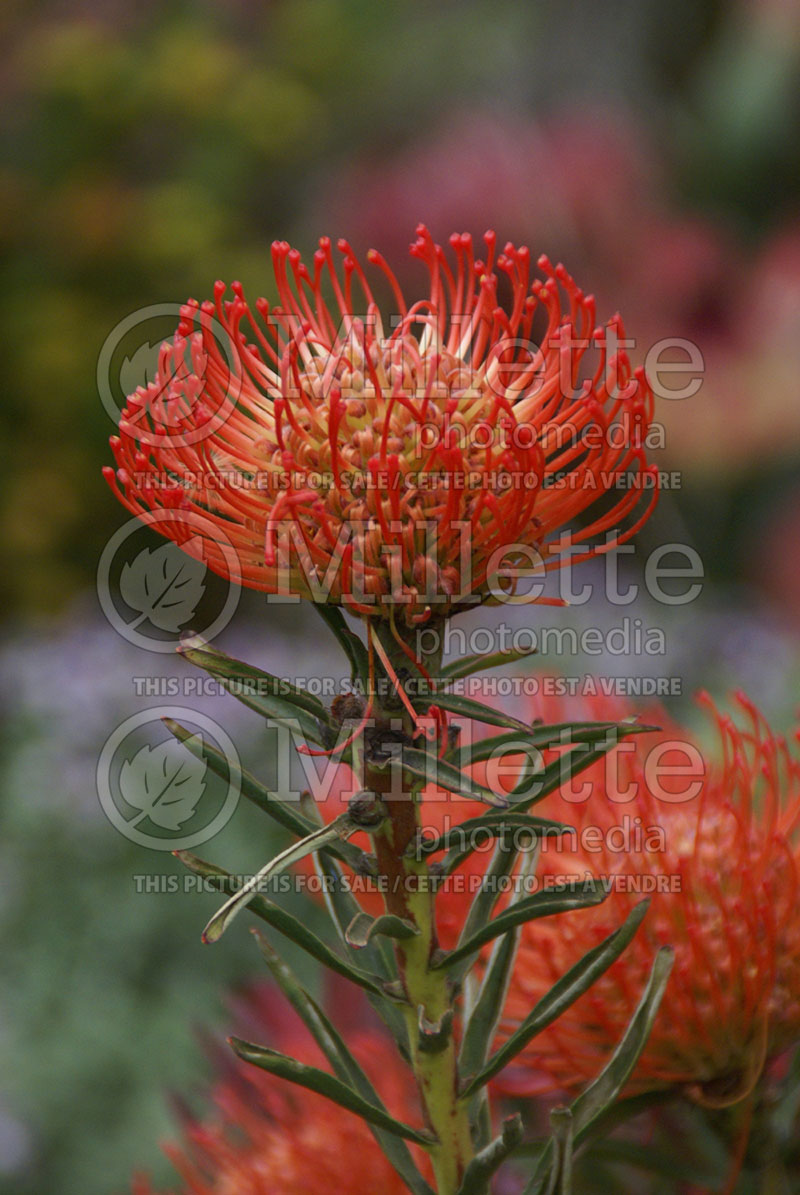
(195, 649)
(467, 665)
(340, 827)
(345, 1066)
(540, 738)
(469, 835)
(562, 995)
(607, 1086)
(284, 922)
(490, 1159)
(313, 1079)
(562, 899)
(343, 908)
(598, 1097)
(475, 710)
(363, 928)
(557, 774)
(433, 770)
(434, 1036)
(624, 1110)
(561, 1122)
(377, 956)
(483, 1016)
(281, 811)
(502, 863)
(267, 695)
(350, 643)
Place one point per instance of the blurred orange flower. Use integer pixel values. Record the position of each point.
(267, 1135)
(716, 843)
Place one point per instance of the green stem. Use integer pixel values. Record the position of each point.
(408, 894)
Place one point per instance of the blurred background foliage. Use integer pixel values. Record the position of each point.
(149, 148)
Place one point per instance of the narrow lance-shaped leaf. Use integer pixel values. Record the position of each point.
(284, 922)
(490, 1159)
(561, 1122)
(467, 708)
(340, 827)
(501, 865)
(259, 695)
(328, 1085)
(468, 665)
(433, 770)
(557, 773)
(350, 643)
(483, 828)
(484, 1015)
(344, 1064)
(609, 1083)
(343, 908)
(283, 812)
(377, 955)
(200, 653)
(542, 904)
(599, 1095)
(540, 738)
(463, 840)
(562, 995)
(483, 1020)
(363, 928)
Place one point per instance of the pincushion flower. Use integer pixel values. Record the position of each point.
(399, 462)
(267, 1137)
(722, 868)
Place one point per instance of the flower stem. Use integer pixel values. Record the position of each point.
(408, 893)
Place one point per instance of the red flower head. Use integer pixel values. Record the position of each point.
(370, 461)
(717, 844)
(268, 1136)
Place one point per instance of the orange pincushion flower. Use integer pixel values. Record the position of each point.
(352, 458)
(725, 864)
(268, 1136)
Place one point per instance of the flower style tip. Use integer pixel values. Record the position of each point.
(408, 459)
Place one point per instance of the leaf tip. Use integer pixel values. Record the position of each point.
(191, 641)
(175, 729)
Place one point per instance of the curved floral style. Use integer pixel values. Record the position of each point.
(725, 863)
(379, 461)
(267, 1136)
